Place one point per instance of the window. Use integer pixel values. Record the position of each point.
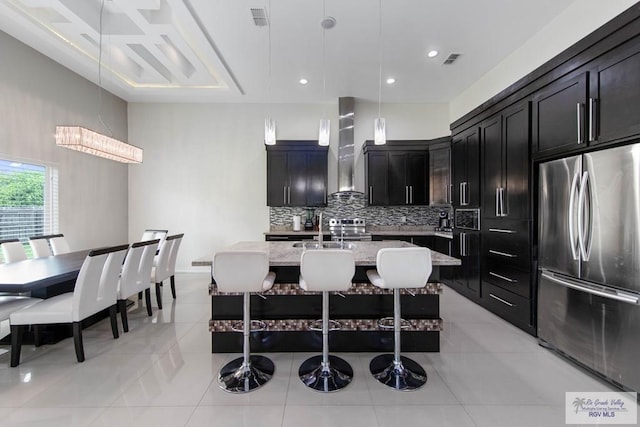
(28, 201)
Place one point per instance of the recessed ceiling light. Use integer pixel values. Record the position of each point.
(432, 53)
(391, 81)
(303, 81)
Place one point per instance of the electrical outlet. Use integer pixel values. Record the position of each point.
(403, 219)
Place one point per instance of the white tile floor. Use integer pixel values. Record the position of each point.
(162, 373)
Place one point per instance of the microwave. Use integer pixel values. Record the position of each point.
(467, 219)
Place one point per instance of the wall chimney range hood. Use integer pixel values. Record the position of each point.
(346, 158)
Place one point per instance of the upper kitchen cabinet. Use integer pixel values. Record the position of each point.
(559, 112)
(614, 95)
(465, 153)
(440, 172)
(397, 173)
(296, 174)
(505, 149)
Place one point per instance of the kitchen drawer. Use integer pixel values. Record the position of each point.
(502, 274)
(511, 307)
(508, 243)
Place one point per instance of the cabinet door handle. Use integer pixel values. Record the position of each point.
(451, 193)
(593, 103)
(463, 244)
(406, 194)
(501, 193)
(466, 193)
(289, 194)
(579, 120)
(501, 230)
(499, 276)
(370, 194)
(284, 194)
(460, 186)
(498, 201)
(411, 194)
(501, 300)
(504, 254)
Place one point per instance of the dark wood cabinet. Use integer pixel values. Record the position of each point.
(506, 170)
(614, 95)
(397, 173)
(296, 174)
(466, 277)
(559, 115)
(465, 154)
(440, 173)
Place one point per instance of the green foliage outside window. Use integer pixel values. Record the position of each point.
(25, 188)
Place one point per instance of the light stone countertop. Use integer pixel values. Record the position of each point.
(283, 254)
(415, 231)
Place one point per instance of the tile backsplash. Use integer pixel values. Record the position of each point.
(354, 205)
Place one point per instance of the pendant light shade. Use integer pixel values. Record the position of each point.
(85, 140)
(379, 132)
(269, 132)
(379, 126)
(325, 132)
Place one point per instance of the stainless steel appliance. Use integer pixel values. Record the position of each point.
(467, 219)
(589, 261)
(348, 229)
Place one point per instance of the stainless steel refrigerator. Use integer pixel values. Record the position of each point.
(589, 261)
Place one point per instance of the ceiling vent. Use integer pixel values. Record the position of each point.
(451, 58)
(259, 17)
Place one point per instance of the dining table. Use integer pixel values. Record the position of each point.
(42, 277)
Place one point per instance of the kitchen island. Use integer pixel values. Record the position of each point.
(290, 313)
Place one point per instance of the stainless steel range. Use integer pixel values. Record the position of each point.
(348, 229)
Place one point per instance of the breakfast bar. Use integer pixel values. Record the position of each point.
(289, 313)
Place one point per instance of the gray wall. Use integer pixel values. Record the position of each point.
(36, 94)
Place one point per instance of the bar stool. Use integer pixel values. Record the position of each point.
(246, 272)
(399, 268)
(326, 270)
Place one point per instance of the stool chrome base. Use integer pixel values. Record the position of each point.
(335, 377)
(235, 377)
(404, 376)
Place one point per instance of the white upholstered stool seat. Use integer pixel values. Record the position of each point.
(398, 268)
(326, 270)
(244, 272)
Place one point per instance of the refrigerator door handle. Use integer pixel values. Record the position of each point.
(614, 295)
(572, 198)
(584, 230)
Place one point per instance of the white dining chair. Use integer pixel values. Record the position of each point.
(161, 270)
(399, 268)
(13, 250)
(244, 272)
(135, 276)
(173, 255)
(40, 246)
(95, 290)
(153, 234)
(326, 270)
(59, 244)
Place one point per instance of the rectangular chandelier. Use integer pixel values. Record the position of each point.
(88, 141)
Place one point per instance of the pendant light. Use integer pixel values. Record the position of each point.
(87, 141)
(324, 133)
(379, 126)
(269, 123)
